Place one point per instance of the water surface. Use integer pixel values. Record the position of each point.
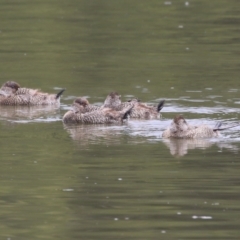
(123, 181)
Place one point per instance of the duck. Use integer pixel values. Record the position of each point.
(9, 88)
(83, 105)
(12, 94)
(113, 101)
(179, 128)
(100, 116)
(145, 111)
(139, 111)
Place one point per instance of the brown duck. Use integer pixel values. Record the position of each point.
(113, 101)
(139, 111)
(179, 128)
(100, 116)
(82, 104)
(12, 94)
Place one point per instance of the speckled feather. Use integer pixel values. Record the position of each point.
(104, 116)
(12, 94)
(82, 104)
(139, 110)
(179, 128)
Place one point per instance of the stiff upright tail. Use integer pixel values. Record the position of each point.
(60, 93)
(127, 112)
(160, 105)
(218, 127)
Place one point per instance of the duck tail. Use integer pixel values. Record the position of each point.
(127, 112)
(218, 127)
(160, 105)
(60, 93)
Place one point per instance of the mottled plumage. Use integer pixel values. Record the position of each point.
(179, 128)
(12, 94)
(113, 100)
(140, 110)
(82, 104)
(10, 87)
(103, 116)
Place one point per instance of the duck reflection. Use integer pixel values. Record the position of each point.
(16, 113)
(180, 147)
(99, 134)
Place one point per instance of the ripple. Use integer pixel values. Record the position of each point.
(167, 3)
(194, 91)
(214, 96)
(28, 114)
(202, 217)
(233, 90)
(200, 109)
(67, 190)
(38, 120)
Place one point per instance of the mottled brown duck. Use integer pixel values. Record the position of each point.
(179, 128)
(12, 94)
(101, 116)
(139, 111)
(113, 101)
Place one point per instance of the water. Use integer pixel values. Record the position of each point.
(123, 181)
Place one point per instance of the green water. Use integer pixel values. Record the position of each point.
(120, 182)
